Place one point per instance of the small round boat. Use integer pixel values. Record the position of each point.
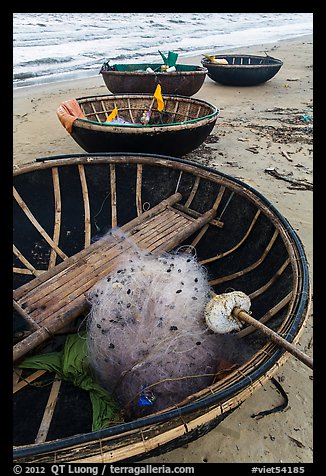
(242, 70)
(63, 207)
(184, 80)
(181, 127)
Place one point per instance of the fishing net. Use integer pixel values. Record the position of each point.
(148, 343)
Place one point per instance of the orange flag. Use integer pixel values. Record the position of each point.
(113, 114)
(158, 97)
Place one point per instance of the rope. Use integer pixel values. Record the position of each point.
(279, 408)
(97, 214)
(178, 182)
(226, 205)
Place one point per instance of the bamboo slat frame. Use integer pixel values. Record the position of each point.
(197, 182)
(28, 380)
(57, 216)
(37, 225)
(79, 300)
(95, 112)
(61, 297)
(246, 270)
(138, 197)
(113, 196)
(125, 106)
(130, 112)
(193, 192)
(16, 376)
(174, 113)
(86, 205)
(131, 443)
(253, 61)
(269, 284)
(49, 411)
(243, 239)
(22, 271)
(202, 232)
(29, 267)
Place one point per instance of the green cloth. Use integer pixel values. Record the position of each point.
(171, 59)
(72, 364)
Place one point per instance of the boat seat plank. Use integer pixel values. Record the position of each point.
(51, 300)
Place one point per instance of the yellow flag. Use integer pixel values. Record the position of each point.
(113, 114)
(158, 97)
(210, 58)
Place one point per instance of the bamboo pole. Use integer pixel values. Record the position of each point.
(83, 182)
(57, 214)
(139, 189)
(48, 412)
(268, 315)
(113, 195)
(193, 192)
(25, 262)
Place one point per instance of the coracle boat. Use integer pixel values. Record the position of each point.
(241, 70)
(63, 207)
(184, 80)
(181, 127)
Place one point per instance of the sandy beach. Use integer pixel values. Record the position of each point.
(263, 137)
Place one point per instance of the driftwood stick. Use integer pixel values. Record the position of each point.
(298, 184)
(286, 155)
(244, 316)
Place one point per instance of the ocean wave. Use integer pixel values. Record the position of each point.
(46, 45)
(45, 61)
(27, 75)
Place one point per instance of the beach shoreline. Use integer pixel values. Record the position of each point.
(263, 137)
(186, 58)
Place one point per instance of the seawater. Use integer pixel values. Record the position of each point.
(51, 47)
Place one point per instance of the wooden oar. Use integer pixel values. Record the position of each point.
(244, 316)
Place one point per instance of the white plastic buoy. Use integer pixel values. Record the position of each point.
(218, 311)
(225, 312)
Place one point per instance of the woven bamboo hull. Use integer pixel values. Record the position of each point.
(61, 203)
(243, 70)
(184, 83)
(186, 124)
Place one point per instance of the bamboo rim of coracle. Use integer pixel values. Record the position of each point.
(129, 109)
(148, 433)
(265, 61)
